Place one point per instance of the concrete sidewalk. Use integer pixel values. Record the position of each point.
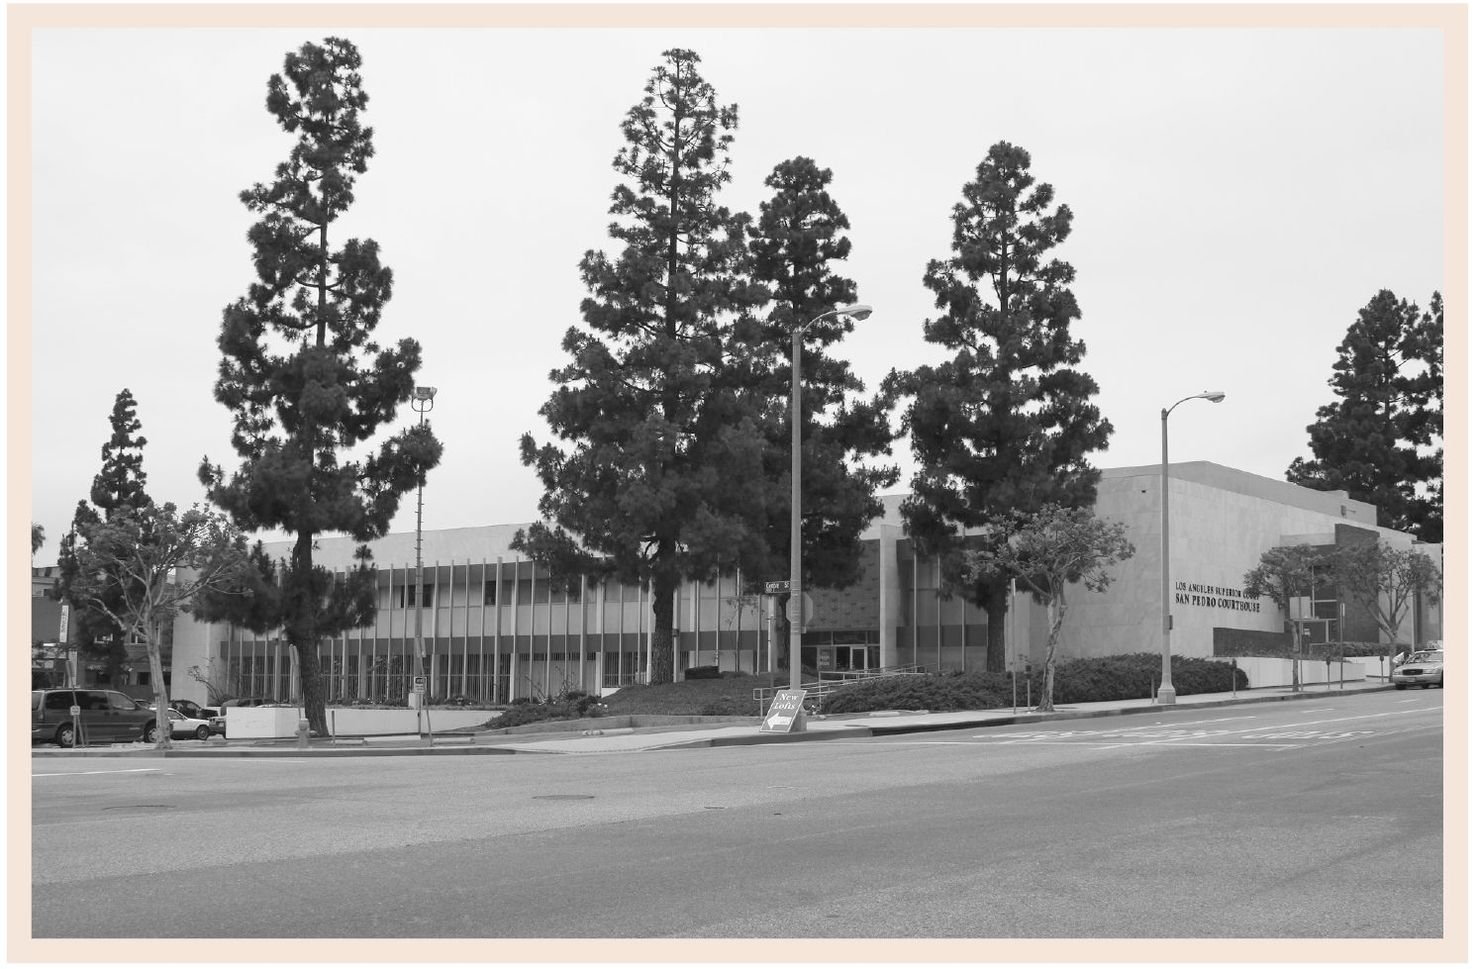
(667, 737)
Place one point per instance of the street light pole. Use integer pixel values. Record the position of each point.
(1166, 684)
(422, 402)
(857, 311)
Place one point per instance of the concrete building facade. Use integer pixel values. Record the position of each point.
(496, 627)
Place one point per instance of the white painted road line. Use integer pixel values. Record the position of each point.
(78, 773)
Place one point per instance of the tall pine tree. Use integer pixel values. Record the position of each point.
(661, 479)
(1380, 438)
(1007, 422)
(306, 380)
(793, 246)
(117, 489)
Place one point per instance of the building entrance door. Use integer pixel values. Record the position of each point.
(851, 657)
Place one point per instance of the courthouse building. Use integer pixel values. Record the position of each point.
(496, 627)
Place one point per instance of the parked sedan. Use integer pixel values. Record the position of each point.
(1423, 669)
(192, 709)
(181, 726)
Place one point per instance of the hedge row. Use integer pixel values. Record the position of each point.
(1125, 677)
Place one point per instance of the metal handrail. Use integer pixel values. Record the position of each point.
(818, 689)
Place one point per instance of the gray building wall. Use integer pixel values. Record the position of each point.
(497, 628)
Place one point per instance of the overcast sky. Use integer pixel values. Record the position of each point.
(1238, 196)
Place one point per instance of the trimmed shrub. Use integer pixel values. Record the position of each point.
(1125, 677)
(931, 691)
(1133, 675)
(701, 673)
(570, 705)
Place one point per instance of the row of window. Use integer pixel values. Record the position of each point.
(516, 592)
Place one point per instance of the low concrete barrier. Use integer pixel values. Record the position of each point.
(265, 723)
(1263, 672)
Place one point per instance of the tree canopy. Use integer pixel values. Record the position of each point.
(1046, 551)
(142, 566)
(1379, 439)
(662, 477)
(117, 489)
(1384, 580)
(794, 246)
(1007, 421)
(303, 374)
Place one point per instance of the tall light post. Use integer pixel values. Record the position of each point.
(1166, 685)
(422, 402)
(857, 311)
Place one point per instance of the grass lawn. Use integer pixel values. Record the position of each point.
(732, 695)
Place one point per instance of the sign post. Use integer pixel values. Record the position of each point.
(786, 713)
(418, 693)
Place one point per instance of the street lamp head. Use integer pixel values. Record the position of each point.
(425, 393)
(857, 311)
(1214, 396)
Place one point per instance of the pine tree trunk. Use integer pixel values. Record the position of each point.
(662, 591)
(995, 597)
(312, 686)
(302, 636)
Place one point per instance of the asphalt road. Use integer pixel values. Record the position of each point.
(1309, 819)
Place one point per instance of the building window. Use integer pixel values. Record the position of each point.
(405, 595)
(489, 593)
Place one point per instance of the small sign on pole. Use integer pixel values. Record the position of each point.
(786, 714)
(800, 610)
(418, 686)
(778, 588)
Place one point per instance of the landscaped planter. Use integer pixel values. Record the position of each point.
(358, 722)
(257, 723)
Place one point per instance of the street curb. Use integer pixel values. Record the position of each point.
(289, 748)
(840, 733)
(315, 752)
(1007, 720)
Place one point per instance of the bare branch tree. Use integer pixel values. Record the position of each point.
(143, 566)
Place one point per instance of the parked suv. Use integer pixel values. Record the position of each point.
(105, 715)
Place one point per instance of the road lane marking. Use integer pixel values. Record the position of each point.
(1191, 723)
(1175, 743)
(78, 773)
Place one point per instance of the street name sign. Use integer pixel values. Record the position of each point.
(778, 588)
(788, 708)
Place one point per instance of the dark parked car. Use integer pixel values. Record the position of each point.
(218, 722)
(192, 709)
(105, 715)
